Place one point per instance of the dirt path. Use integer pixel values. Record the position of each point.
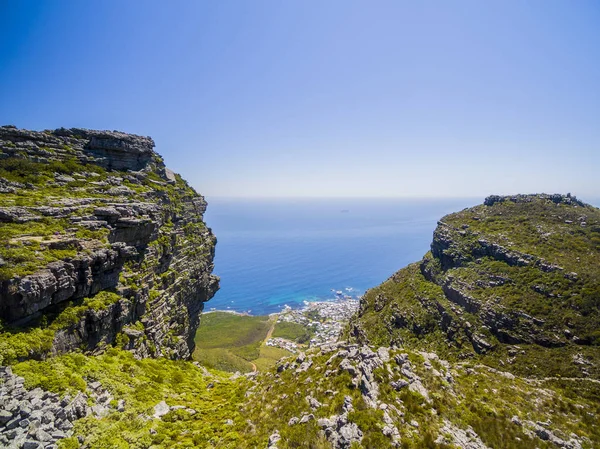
(272, 328)
(35, 238)
(574, 379)
(269, 333)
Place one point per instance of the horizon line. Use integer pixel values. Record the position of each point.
(291, 197)
(419, 197)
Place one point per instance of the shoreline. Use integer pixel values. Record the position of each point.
(287, 308)
(325, 319)
(233, 312)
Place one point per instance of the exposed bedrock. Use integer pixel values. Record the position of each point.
(125, 225)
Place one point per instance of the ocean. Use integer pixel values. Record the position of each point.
(276, 252)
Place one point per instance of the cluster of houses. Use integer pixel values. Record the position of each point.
(283, 344)
(326, 319)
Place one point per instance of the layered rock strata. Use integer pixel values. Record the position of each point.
(84, 213)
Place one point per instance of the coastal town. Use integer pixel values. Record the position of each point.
(325, 320)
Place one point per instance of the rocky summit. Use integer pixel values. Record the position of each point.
(490, 341)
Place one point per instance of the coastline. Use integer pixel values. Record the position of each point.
(233, 312)
(285, 308)
(325, 319)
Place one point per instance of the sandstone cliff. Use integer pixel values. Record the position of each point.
(101, 245)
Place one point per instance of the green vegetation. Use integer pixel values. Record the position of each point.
(25, 259)
(74, 313)
(402, 309)
(268, 357)
(231, 342)
(142, 384)
(100, 234)
(22, 344)
(20, 169)
(476, 397)
(36, 340)
(30, 245)
(293, 331)
(551, 233)
(242, 414)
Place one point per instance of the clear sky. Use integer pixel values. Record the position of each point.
(322, 98)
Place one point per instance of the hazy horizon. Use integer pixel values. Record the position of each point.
(312, 99)
(473, 200)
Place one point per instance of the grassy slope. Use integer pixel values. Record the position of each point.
(292, 331)
(269, 355)
(484, 400)
(232, 342)
(551, 232)
(476, 397)
(142, 384)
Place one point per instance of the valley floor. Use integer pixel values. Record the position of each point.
(233, 342)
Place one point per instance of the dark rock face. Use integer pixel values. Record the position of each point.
(61, 281)
(113, 150)
(154, 251)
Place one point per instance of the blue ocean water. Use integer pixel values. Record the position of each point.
(272, 252)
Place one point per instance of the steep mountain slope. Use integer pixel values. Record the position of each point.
(101, 244)
(514, 282)
(337, 396)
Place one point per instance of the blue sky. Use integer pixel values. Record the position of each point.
(314, 98)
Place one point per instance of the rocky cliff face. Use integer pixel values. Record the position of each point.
(101, 245)
(516, 278)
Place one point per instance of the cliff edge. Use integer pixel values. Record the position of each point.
(101, 245)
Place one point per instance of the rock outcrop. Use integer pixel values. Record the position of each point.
(36, 418)
(84, 213)
(354, 395)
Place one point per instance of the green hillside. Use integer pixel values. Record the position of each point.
(514, 282)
